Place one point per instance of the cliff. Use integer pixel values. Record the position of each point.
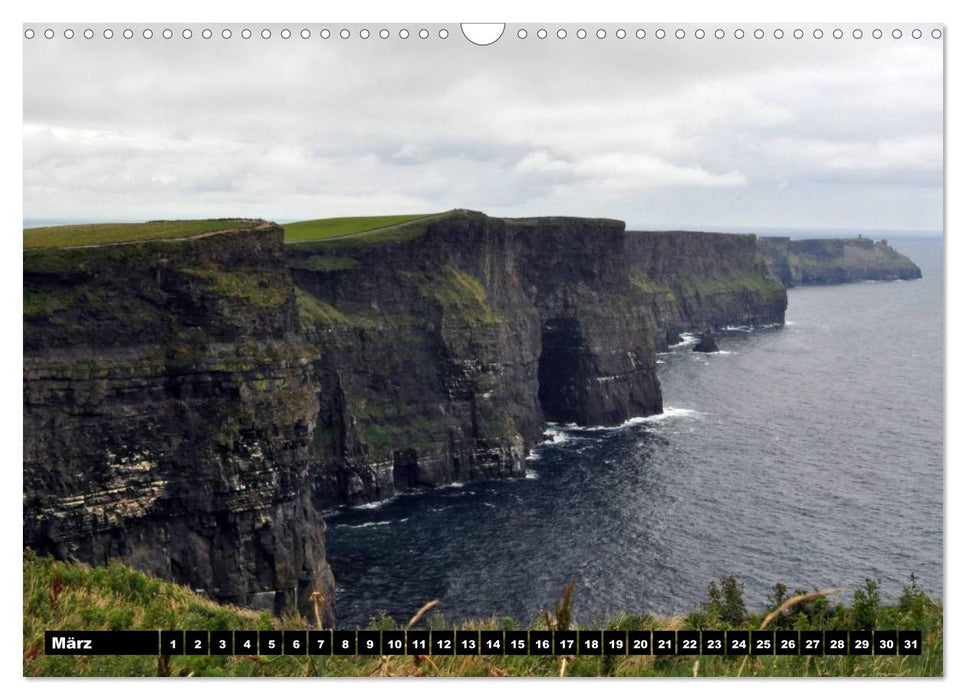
(834, 260)
(694, 281)
(444, 349)
(169, 409)
(191, 406)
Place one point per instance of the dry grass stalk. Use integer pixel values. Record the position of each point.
(419, 658)
(790, 603)
(317, 600)
(694, 670)
(422, 611)
(563, 665)
(793, 601)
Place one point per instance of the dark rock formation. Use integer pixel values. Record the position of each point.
(695, 280)
(446, 352)
(706, 343)
(834, 260)
(190, 407)
(169, 410)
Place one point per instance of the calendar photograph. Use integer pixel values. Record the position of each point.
(517, 350)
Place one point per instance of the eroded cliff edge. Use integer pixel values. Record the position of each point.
(191, 407)
(834, 260)
(169, 410)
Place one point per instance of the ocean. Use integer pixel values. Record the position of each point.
(809, 454)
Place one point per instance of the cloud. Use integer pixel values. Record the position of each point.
(685, 132)
(621, 171)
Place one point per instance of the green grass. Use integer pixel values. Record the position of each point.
(459, 294)
(61, 596)
(321, 229)
(259, 288)
(314, 312)
(44, 303)
(104, 234)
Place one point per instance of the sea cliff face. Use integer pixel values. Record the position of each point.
(441, 355)
(191, 407)
(696, 281)
(168, 415)
(834, 260)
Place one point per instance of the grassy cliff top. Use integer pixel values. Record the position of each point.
(349, 226)
(62, 596)
(110, 234)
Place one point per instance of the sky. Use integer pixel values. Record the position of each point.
(684, 133)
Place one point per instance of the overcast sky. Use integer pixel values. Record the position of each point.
(810, 133)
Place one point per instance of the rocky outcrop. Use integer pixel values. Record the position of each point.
(706, 343)
(834, 260)
(191, 407)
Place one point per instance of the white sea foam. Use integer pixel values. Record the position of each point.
(374, 523)
(686, 339)
(669, 412)
(530, 474)
(374, 504)
(555, 436)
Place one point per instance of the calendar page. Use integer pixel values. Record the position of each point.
(539, 349)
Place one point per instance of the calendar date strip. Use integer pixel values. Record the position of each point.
(485, 642)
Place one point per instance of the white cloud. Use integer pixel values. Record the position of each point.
(621, 171)
(690, 131)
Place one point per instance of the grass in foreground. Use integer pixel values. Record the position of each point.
(61, 596)
(105, 234)
(321, 229)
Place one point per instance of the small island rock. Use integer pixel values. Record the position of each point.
(706, 343)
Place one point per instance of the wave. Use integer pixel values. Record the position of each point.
(555, 436)
(374, 523)
(752, 329)
(686, 339)
(373, 504)
(669, 412)
(530, 474)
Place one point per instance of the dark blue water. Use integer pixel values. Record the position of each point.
(809, 454)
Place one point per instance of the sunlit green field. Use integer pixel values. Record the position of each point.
(321, 229)
(104, 234)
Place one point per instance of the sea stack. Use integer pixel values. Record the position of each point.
(706, 343)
